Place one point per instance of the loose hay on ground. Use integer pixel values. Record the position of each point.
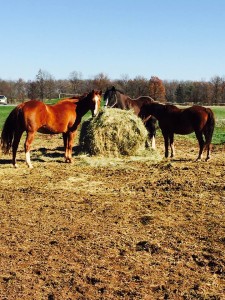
(114, 132)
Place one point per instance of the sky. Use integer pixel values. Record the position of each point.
(170, 39)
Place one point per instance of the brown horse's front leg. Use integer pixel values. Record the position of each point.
(69, 146)
(66, 147)
(65, 140)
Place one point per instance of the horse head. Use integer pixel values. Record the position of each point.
(96, 97)
(110, 97)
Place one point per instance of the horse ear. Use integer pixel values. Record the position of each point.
(100, 92)
(113, 88)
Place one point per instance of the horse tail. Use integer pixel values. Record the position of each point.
(9, 129)
(210, 125)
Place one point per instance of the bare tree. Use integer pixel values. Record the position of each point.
(45, 84)
(217, 89)
(75, 79)
(20, 89)
(101, 81)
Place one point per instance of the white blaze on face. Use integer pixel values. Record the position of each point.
(96, 99)
(106, 101)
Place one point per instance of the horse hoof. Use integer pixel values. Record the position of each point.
(68, 161)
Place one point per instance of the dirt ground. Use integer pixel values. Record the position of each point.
(100, 228)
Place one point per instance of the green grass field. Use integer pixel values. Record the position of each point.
(218, 137)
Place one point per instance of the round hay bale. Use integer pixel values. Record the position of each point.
(114, 132)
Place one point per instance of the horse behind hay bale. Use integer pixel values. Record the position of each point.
(114, 132)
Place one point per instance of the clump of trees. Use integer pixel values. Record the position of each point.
(44, 86)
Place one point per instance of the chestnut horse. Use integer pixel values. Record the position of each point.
(173, 120)
(35, 116)
(117, 99)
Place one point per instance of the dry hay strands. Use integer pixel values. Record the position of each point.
(114, 132)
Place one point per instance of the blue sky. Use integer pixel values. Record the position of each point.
(171, 39)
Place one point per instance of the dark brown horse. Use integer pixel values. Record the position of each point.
(117, 99)
(35, 116)
(173, 120)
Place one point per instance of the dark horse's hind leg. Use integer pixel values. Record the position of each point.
(15, 145)
(166, 144)
(208, 146)
(171, 139)
(201, 144)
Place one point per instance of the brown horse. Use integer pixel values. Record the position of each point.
(35, 116)
(173, 120)
(117, 99)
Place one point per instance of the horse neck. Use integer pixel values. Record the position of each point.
(159, 110)
(137, 103)
(83, 106)
(124, 102)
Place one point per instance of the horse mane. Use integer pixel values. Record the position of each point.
(146, 99)
(171, 108)
(116, 90)
(79, 96)
(73, 99)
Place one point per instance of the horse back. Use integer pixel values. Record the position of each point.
(185, 120)
(198, 114)
(62, 115)
(49, 118)
(138, 103)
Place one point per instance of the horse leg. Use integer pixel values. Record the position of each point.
(171, 138)
(64, 140)
(15, 145)
(201, 144)
(153, 142)
(153, 134)
(151, 137)
(66, 146)
(68, 156)
(27, 145)
(166, 143)
(208, 152)
(151, 128)
(208, 145)
(69, 146)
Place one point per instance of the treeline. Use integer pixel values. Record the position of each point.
(183, 92)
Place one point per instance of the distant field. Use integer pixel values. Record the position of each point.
(219, 134)
(218, 137)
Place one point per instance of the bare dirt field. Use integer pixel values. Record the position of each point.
(132, 228)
